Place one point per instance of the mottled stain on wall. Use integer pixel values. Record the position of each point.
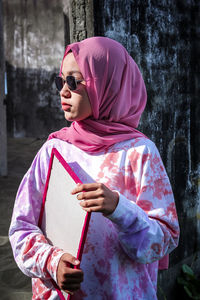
(35, 37)
(34, 46)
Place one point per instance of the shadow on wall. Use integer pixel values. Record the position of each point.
(33, 103)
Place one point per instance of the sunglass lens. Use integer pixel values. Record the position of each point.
(71, 82)
(59, 83)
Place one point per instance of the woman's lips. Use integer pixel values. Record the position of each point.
(65, 106)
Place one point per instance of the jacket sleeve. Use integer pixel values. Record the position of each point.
(145, 216)
(32, 253)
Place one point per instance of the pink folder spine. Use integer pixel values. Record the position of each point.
(87, 218)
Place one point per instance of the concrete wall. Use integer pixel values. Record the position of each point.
(163, 38)
(3, 129)
(34, 46)
(80, 18)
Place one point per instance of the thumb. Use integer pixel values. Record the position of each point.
(68, 258)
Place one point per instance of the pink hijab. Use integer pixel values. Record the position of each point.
(116, 91)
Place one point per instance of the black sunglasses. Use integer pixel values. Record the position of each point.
(70, 80)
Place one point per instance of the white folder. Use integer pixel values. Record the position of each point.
(62, 219)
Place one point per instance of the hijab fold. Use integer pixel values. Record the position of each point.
(116, 91)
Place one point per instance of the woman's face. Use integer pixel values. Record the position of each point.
(75, 104)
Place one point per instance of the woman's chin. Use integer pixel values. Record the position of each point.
(69, 117)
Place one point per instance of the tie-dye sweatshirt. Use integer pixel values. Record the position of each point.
(122, 250)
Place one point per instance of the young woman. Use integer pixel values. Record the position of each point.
(134, 223)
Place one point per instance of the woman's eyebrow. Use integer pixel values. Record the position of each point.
(72, 72)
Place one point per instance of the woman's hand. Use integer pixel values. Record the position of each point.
(96, 197)
(69, 279)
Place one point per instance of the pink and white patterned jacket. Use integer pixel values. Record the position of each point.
(122, 251)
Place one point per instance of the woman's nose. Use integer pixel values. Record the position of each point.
(65, 92)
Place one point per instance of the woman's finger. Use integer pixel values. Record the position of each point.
(72, 287)
(72, 280)
(86, 187)
(67, 258)
(95, 209)
(92, 203)
(74, 274)
(90, 195)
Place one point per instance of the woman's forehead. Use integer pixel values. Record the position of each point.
(70, 64)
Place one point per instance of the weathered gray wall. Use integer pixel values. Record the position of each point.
(3, 129)
(164, 39)
(34, 45)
